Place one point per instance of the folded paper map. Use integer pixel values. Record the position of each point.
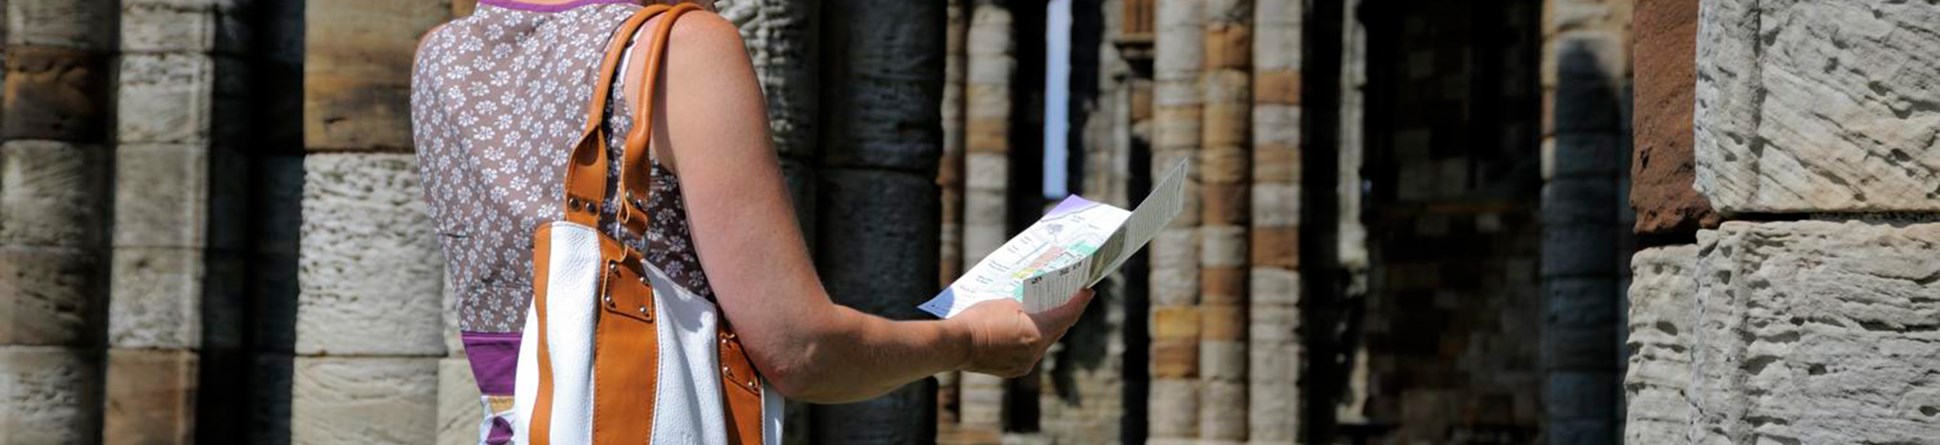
(1078, 243)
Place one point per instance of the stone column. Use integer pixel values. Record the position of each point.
(54, 211)
(1225, 165)
(1812, 316)
(175, 314)
(876, 194)
(369, 334)
(1273, 340)
(949, 177)
(988, 108)
(1178, 58)
(1586, 75)
(1083, 400)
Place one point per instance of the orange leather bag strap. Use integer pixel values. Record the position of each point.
(635, 190)
(626, 342)
(586, 169)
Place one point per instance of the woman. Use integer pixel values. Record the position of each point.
(498, 97)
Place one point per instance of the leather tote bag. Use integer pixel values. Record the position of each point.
(612, 353)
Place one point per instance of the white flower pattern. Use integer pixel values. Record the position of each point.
(496, 100)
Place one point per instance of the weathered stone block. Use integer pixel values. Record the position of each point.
(269, 393)
(1662, 169)
(1173, 409)
(1223, 165)
(157, 298)
(459, 407)
(1579, 315)
(1273, 285)
(357, 71)
(75, 24)
(1222, 411)
(1280, 86)
(161, 196)
(1229, 45)
(1276, 126)
(195, 26)
(1579, 250)
(370, 276)
(903, 209)
(1222, 359)
(49, 297)
(1276, 246)
(166, 98)
(364, 400)
(49, 395)
(1273, 411)
(1816, 332)
(1833, 111)
(151, 397)
(55, 94)
(1663, 312)
(51, 194)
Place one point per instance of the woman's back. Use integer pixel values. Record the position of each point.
(499, 97)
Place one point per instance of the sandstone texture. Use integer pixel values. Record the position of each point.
(370, 278)
(1814, 332)
(459, 408)
(151, 397)
(1663, 311)
(46, 395)
(364, 400)
(357, 71)
(1818, 106)
(1662, 168)
(49, 192)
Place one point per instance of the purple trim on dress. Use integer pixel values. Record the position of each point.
(495, 360)
(536, 7)
(501, 433)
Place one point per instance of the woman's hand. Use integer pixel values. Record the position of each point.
(1006, 341)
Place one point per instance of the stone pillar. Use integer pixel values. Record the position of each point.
(54, 208)
(369, 332)
(950, 177)
(1585, 140)
(876, 194)
(177, 298)
(1224, 165)
(1273, 334)
(1663, 309)
(988, 112)
(1816, 295)
(1179, 55)
(1084, 378)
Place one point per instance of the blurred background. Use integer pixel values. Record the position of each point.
(1410, 221)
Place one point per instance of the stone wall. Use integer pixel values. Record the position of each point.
(1806, 316)
(1448, 327)
(1586, 84)
(54, 210)
(369, 330)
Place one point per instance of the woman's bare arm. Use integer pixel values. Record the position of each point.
(716, 138)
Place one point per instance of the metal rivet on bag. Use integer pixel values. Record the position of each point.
(643, 309)
(724, 368)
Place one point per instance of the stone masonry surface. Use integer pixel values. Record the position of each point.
(1816, 332)
(1818, 106)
